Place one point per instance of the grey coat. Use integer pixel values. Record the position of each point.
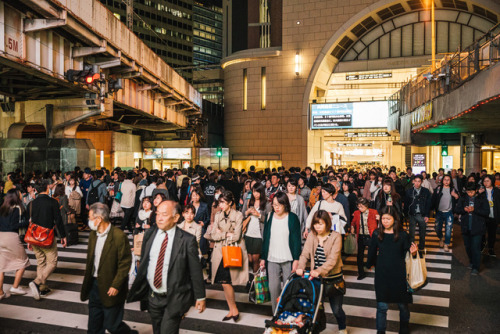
(301, 212)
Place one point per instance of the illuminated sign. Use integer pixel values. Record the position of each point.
(348, 115)
(421, 114)
(168, 153)
(418, 163)
(367, 76)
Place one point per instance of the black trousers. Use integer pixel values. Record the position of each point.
(491, 228)
(363, 241)
(163, 323)
(105, 318)
(127, 219)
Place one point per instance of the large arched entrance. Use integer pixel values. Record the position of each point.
(367, 60)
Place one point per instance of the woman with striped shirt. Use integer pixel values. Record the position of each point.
(322, 249)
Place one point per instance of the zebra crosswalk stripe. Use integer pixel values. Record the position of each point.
(65, 310)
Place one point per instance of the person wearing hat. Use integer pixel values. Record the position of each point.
(84, 185)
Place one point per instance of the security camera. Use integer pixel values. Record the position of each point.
(428, 76)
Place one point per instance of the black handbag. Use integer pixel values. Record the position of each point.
(334, 285)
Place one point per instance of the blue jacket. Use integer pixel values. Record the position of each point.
(202, 214)
(294, 238)
(345, 203)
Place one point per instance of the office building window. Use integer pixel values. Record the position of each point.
(263, 88)
(245, 89)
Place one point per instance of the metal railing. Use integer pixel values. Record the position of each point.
(454, 70)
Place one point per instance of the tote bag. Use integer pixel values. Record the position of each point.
(350, 245)
(416, 271)
(231, 256)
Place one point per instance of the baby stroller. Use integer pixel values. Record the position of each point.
(300, 309)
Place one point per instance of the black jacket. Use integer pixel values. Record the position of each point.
(45, 212)
(185, 277)
(13, 221)
(423, 200)
(172, 190)
(381, 203)
(479, 215)
(436, 198)
(496, 203)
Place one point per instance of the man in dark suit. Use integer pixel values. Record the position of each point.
(105, 283)
(170, 274)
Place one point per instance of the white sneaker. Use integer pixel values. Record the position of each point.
(35, 290)
(343, 331)
(17, 291)
(4, 296)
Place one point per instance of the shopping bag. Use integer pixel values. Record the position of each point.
(251, 293)
(132, 274)
(416, 271)
(261, 286)
(231, 256)
(116, 211)
(350, 245)
(138, 243)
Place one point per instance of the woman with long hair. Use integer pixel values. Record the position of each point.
(348, 191)
(74, 194)
(228, 228)
(255, 216)
(60, 196)
(387, 252)
(297, 203)
(12, 253)
(388, 197)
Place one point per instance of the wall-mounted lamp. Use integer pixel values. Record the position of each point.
(297, 63)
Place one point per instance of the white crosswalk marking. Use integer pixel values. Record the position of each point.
(430, 309)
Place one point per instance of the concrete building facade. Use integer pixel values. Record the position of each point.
(331, 51)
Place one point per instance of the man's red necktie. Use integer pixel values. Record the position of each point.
(159, 263)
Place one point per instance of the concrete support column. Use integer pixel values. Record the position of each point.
(473, 156)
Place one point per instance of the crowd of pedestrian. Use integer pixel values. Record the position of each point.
(286, 221)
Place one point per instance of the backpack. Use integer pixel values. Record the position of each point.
(93, 196)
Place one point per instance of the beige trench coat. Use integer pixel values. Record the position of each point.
(222, 226)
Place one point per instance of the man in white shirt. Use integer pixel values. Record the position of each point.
(105, 283)
(170, 276)
(127, 201)
(148, 191)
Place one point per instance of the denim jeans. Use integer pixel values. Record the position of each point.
(447, 219)
(473, 248)
(338, 312)
(422, 229)
(404, 315)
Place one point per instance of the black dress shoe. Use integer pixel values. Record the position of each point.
(361, 276)
(236, 317)
(227, 318)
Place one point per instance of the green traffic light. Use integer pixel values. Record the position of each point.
(219, 152)
(444, 150)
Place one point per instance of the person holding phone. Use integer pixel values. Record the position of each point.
(444, 201)
(473, 211)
